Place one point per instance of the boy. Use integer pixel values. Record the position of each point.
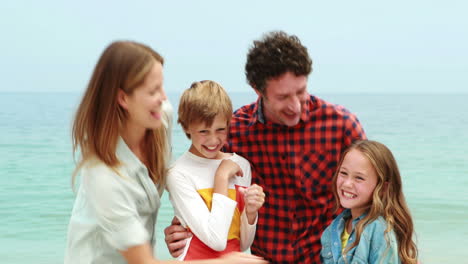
(209, 189)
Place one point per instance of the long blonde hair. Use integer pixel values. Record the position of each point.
(123, 65)
(388, 200)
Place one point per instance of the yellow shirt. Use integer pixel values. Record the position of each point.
(344, 239)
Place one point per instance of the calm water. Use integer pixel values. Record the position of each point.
(427, 134)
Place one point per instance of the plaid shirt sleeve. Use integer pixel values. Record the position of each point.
(295, 166)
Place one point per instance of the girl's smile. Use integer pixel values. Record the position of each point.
(356, 182)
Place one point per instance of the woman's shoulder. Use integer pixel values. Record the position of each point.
(96, 166)
(96, 174)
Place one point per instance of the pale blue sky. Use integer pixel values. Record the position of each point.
(398, 46)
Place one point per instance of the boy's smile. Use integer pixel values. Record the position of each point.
(207, 141)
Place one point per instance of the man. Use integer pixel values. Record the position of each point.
(293, 141)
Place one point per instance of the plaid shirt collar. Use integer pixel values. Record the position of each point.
(258, 115)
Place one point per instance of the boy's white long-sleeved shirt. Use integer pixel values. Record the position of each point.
(215, 220)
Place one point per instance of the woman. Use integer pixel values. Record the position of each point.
(121, 130)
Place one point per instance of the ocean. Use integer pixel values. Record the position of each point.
(427, 133)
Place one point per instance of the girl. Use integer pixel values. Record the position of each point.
(121, 130)
(376, 226)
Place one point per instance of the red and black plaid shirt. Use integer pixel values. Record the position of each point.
(295, 166)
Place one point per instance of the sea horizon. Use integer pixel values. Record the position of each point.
(426, 133)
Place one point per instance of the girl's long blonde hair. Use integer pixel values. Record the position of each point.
(388, 200)
(123, 65)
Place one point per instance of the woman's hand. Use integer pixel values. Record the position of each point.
(241, 258)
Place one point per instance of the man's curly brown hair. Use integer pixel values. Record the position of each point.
(275, 54)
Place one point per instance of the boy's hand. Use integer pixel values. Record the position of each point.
(228, 169)
(254, 197)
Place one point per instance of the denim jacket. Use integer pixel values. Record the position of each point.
(372, 247)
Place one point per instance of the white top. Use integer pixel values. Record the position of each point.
(192, 176)
(113, 212)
